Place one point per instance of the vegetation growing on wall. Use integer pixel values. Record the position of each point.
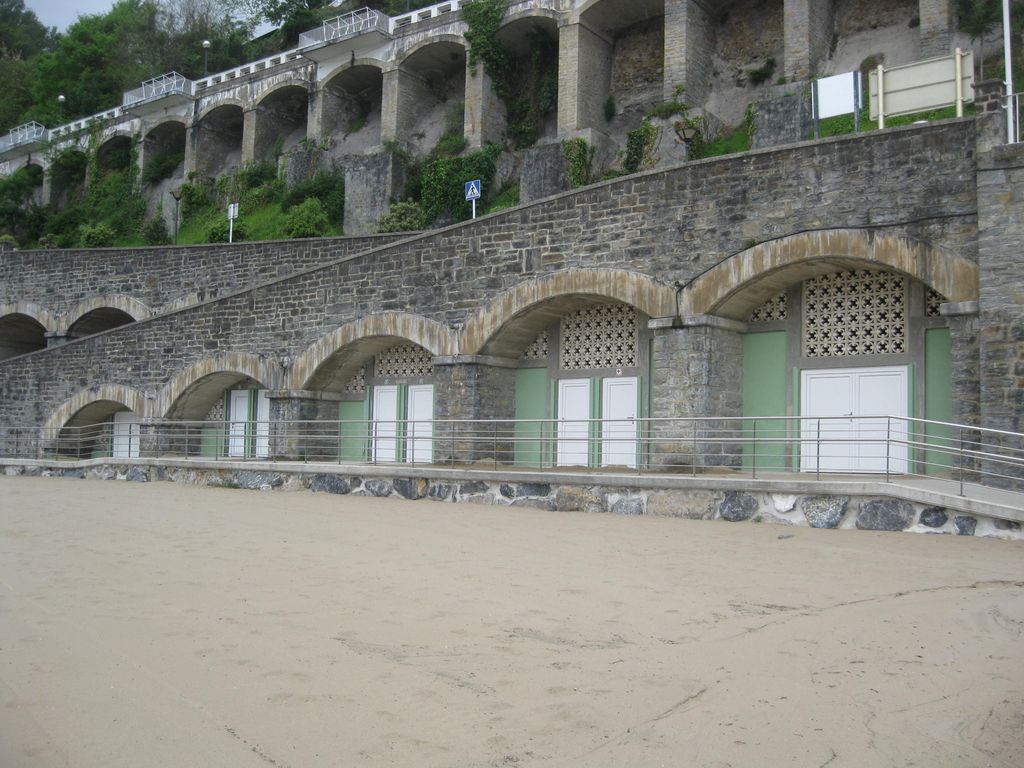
(579, 157)
(639, 147)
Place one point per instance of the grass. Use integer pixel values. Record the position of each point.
(844, 124)
(264, 223)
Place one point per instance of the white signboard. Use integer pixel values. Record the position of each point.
(837, 95)
(924, 85)
(232, 210)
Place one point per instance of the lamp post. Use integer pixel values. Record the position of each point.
(60, 107)
(176, 194)
(206, 57)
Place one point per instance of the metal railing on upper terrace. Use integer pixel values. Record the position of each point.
(23, 134)
(158, 87)
(346, 26)
(888, 446)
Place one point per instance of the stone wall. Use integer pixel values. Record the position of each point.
(877, 512)
(666, 225)
(784, 116)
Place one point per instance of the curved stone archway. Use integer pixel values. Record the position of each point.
(741, 283)
(193, 391)
(98, 402)
(127, 305)
(490, 331)
(320, 367)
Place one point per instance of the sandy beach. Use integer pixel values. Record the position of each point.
(157, 624)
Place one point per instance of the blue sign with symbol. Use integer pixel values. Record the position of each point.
(473, 190)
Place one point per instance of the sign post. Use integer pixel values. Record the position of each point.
(473, 193)
(232, 215)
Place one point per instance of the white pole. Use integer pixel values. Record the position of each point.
(231, 229)
(474, 207)
(881, 96)
(1011, 104)
(959, 70)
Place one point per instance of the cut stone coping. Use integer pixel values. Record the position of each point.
(977, 499)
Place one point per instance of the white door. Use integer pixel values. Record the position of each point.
(385, 423)
(126, 436)
(262, 424)
(618, 426)
(419, 443)
(238, 418)
(846, 438)
(573, 422)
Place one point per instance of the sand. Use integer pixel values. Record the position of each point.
(165, 625)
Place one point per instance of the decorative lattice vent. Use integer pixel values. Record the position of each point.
(773, 309)
(932, 303)
(538, 350)
(604, 336)
(404, 360)
(854, 313)
(357, 384)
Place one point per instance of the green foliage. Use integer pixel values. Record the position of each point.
(639, 145)
(218, 231)
(67, 171)
(977, 18)
(154, 231)
(844, 124)
(406, 216)
(16, 207)
(483, 18)
(326, 186)
(307, 219)
(729, 143)
(677, 105)
(507, 198)
(444, 178)
(194, 197)
(97, 235)
(579, 157)
(450, 144)
(161, 166)
(763, 73)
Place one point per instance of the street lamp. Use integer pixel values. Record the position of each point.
(176, 194)
(206, 57)
(60, 107)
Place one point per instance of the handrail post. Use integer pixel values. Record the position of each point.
(961, 461)
(693, 458)
(753, 463)
(888, 437)
(817, 460)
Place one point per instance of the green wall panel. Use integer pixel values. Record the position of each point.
(531, 403)
(354, 430)
(938, 397)
(764, 394)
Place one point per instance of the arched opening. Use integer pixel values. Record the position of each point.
(533, 44)
(352, 102)
(101, 429)
(115, 154)
(280, 122)
(432, 95)
(219, 140)
(67, 176)
(20, 334)
(885, 29)
(222, 414)
(98, 320)
(163, 155)
(622, 54)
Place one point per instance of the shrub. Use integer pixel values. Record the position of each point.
(308, 219)
(403, 217)
(639, 144)
(154, 231)
(194, 197)
(326, 186)
(8, 240)
(450, 144)
(96, 236)
(218, 231)
(443, 182)
(578, 156)
(763, 73)
(161, 166)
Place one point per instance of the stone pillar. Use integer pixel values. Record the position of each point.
(1001, 291)
(304, 425)
(480, 390)
(485, 113)
(936, 31)
(808, 28)
(371, 182)
(315, 114)
(689, 43)
(192, 131)
(402, 93)
(697, 372)
(584, 78)
(56, 338)
(249, 118)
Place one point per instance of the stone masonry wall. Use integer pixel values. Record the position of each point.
(670, 225)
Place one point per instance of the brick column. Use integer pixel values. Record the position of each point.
(688, 49)
(315, 114)
(192, 131)
(584, 78)
(402, 91)
(304, 425)
(697, 372)
(480, 389)
(248, 136)
(936, 31)
(485, 112)
(808, 34)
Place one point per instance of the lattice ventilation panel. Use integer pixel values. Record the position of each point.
(855, 313)
(603, 336)
(404, 360)
(357, 384)
(538, 350)
(773, 309)
(932, 303)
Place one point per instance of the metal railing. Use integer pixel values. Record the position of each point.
(424, 14)
(346, 26)
(752, 446)
(23, 134)
(1015, 106)
(164, 85)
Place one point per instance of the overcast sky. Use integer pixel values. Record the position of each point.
(61, 13)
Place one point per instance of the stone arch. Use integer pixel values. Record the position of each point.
(30, 309)
(193, 391)
(115, 153)
(321, 364)
(744, 281)
(412, 50)
(218, 136)
(351, 104)
(280, 116)
(126, 305)
(278, 87)
(166, 138)
(226, 101)
(493, 330)
(94, 404)
(530, 13)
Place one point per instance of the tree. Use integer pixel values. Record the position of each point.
(21, 33)
(977, 18)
